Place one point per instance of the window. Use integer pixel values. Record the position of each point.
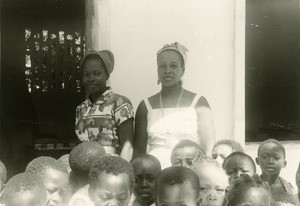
(272, 70)
(52, 60)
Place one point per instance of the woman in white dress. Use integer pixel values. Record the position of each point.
(173, 114)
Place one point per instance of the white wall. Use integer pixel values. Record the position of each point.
(136, 29)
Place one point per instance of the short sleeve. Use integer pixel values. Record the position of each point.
(202, 102)
(123, 110)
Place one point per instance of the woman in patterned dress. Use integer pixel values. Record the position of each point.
(174, 113)
(104, 117)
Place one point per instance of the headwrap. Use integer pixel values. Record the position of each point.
(106, 56)
(176, 47)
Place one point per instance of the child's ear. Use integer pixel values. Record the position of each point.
(284, 164)
(256, 160)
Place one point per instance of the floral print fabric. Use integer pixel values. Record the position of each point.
(100, 121)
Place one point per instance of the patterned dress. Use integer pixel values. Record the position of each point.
(99, 121)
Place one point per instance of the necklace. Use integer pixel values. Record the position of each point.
(162, 111)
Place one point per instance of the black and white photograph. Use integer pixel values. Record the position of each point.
(150, 103)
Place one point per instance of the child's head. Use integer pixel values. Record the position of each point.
(280, 198)
(271, 157)
(185, 153)
(3, 175)
(247, 190)
(65, 160)
(111, 181)
(177, 185)
(238, 164)
(24, 189)
(54, 175)
(224, 148)
(81, 159)
(213, 183)
(146, 168)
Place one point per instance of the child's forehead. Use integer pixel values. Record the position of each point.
(176, 186)
(145, 164)
(271, 147)
(239, 159)
(213, 175)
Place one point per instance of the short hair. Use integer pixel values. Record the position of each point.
(65, 160)
(177, 175)
(3, 172)
(82, 157)
(236, 147)
(110, 165)
(188, 143)
(24, 182)
(238, 154)
(40, 164)
(274, 141)
(284, 197)
(243, 183)
(198, 166)
(147, 157)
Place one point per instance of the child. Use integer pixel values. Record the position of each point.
(185, 153)
(65, 160)
(223, 148)
(111, 180)
(248, 190)
(213, 183)
(81, 158)
(238, 164)
(271, 159)
(177, 186)
(24, 189)
(54, 175)
(282, 199)
(3, 175)
(146, 168)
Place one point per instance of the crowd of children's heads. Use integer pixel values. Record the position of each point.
(227, 178)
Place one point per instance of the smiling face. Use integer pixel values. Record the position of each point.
(213, 182)
(145, 171)
(271, 159)
(254, 197)
(238, 166)
(94, 75)
(220, 152)
(169, 68)
(184, 157)
(177, 194)
(56, 183)
(111, 190)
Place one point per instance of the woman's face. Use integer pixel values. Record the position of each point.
(169, 68)
(94, 75)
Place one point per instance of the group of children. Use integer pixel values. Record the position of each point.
(89, 177)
